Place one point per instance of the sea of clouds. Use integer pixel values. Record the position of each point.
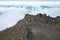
(11, 12)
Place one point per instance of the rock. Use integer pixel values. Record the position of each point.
(33, 27)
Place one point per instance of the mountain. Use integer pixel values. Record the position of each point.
(33, 27)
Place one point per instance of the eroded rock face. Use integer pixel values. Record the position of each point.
(33, 27)
(16, 33)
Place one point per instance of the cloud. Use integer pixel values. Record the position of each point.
(43, 7)
(10, 16)
(11, 12)
(48, 7)
(0, 13)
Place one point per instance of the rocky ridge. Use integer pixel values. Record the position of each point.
(33, 27)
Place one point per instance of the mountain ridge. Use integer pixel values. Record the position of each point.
(33, 27)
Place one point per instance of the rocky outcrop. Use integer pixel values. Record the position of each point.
(33, 27)
(42, 18)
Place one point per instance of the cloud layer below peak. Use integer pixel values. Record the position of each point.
(11, 12)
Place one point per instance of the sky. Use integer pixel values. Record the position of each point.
(29, 0)
(13, 11)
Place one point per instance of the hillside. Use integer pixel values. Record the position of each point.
(33, 27)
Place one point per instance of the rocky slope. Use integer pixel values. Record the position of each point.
(33, 27)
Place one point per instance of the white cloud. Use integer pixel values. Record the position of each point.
(27, 2)
(11, 15)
